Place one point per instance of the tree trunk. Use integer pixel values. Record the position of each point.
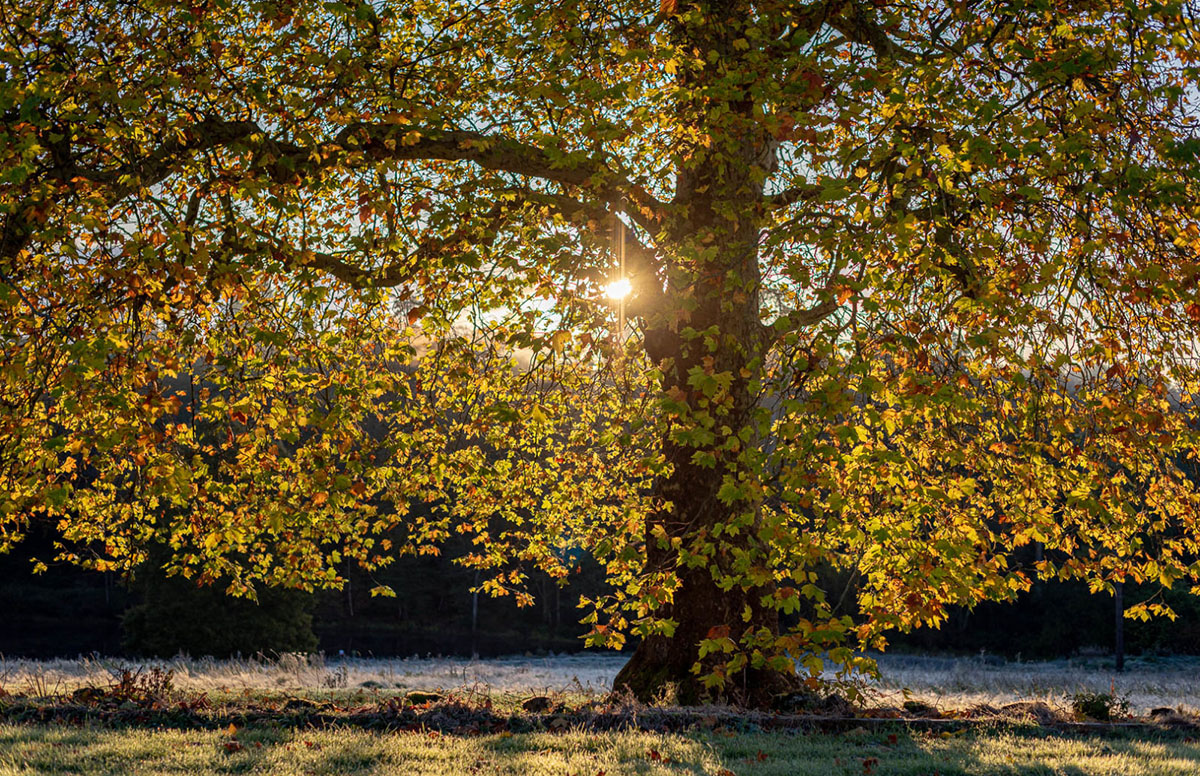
(690, 511)
(715, 241)
(1119, 646)
(702, 608)
(671, 668)
(665, 666)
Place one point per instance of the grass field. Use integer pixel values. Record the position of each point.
(946, 682)
(29, 750)
(276, 743)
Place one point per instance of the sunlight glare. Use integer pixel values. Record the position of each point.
(618, 289)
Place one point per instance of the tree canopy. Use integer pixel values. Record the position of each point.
(913, 287)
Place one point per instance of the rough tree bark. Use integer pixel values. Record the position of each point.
(690, 511)
(722, 199)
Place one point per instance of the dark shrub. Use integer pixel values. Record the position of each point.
(176, 616)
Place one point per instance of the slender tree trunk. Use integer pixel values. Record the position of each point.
(475, 617)
(1119, 606)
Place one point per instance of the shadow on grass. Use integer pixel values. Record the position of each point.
(88, 751)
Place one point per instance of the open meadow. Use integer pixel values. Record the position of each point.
(314, 715)
(944, 682)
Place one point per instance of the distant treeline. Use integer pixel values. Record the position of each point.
(68, 611)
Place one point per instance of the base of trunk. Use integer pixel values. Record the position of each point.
(662, 667)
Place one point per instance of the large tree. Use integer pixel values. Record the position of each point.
(913, 285)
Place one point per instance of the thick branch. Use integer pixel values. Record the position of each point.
(806, 192)
(858, 25)
(288, 161)
(20, 226)
(404, 142)
(799, 319)
(399, 269)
